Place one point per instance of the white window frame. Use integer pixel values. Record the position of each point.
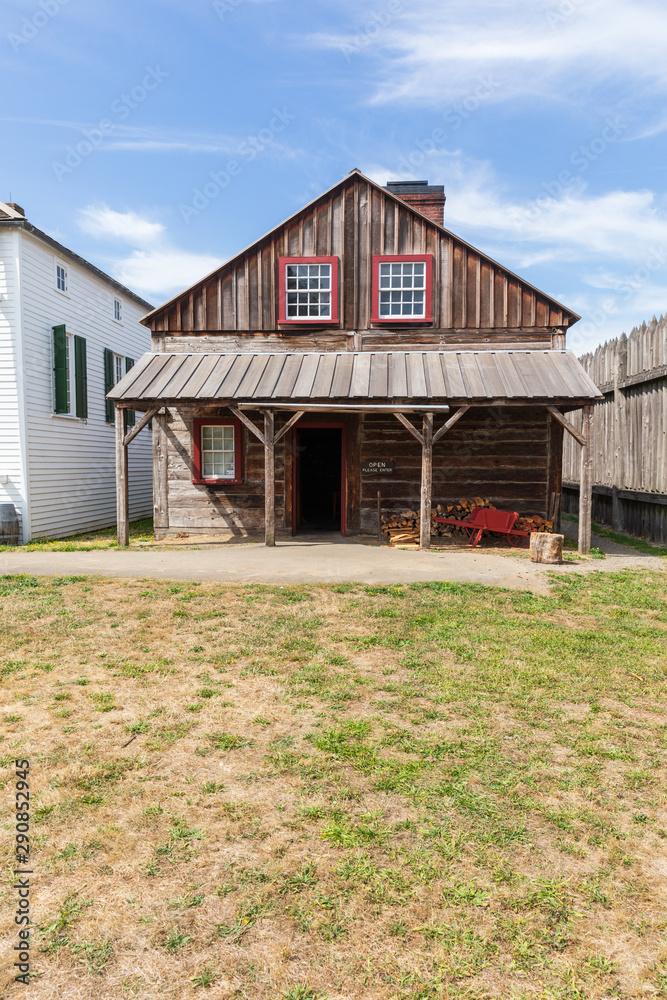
(62, 266)
(400, 282)
(311, 290)
(118, 303)
(118, 367)
(213, 451)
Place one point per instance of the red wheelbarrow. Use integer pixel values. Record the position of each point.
(483, 519)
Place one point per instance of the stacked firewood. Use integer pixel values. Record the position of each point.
(534, 523)
(402, 527)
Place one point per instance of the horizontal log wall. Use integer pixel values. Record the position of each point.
(354, 223)
(630, 428)
(498, 453)
(236, 509)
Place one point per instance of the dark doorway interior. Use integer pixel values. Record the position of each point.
(318, 480)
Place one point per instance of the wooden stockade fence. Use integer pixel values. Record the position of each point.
(630, 434)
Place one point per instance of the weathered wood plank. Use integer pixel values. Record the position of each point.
(122, 484)
(426, 482)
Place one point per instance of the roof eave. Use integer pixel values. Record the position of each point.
(22, 223)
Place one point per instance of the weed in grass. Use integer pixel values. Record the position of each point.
(246, 918)
(301, 880)
(166, 736)
(204, 978)
(301, 991)
(54, 931)
(94, 955)
(104, 702)
(226, 741)
(175, 941)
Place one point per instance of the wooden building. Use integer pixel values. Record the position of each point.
(359, 347)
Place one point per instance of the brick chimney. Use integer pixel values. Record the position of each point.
(426, 198)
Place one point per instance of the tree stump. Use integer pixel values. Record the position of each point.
(546, 548)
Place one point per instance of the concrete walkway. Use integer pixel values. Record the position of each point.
(314, 560)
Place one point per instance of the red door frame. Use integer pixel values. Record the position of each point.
(338, 425)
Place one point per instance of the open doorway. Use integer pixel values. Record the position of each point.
(319, 489)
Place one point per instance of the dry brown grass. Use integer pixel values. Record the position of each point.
(338, 792)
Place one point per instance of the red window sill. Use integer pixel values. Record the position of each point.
(396, 320)
(217, 482)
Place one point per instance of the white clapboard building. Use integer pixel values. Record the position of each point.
(68, 334)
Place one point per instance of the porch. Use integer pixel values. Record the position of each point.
(274, 397)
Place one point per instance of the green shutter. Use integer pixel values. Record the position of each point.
(60, 368)
(131, 415)
(108, 384)
(81, 376)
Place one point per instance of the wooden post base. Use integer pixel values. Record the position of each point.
(546, 548)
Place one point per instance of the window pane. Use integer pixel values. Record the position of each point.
(309, 293)
(217, 443)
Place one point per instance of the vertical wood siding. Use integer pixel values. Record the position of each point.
(630, 424)
(354, 222)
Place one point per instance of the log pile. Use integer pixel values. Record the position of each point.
(402, 527)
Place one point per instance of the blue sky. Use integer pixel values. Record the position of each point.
(546, 121)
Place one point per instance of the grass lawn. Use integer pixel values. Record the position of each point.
(104, 538)
(423, 791)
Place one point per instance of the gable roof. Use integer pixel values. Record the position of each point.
(10, 218)
(417, 234)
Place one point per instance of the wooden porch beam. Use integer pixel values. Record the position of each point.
(402, 419)
(427, 483)
(122, 487)
(450, 423)
(247, 422)
(130, 436)
(557, 415)
(269, 478)
(288, 426)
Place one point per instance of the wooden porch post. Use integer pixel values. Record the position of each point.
(427, 482)
(269, 477)
(122, 486)
(160, 472)
(586, 483)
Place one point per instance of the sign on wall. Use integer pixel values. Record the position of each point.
(377, 467)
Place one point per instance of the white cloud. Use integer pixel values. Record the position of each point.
(154, 268)
(433, 52)
(613, 244)
(163, 272)
(571, 224)
(103, 222)
(153, 139)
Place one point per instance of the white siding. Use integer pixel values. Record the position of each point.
(12, 434)
(72, 462)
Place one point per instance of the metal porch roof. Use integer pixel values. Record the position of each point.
(409, 377)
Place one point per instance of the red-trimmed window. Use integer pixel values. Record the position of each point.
(216, 451)
(308, 290)
(403, 289)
